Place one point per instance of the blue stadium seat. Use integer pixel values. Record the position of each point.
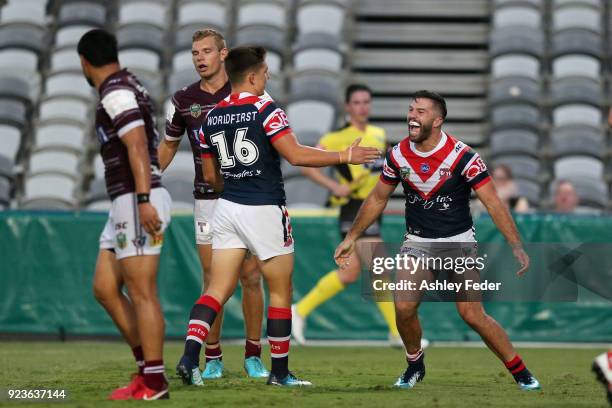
(573, 167)
(516, 65)
(61, 136)
(577, 41)
(70, 85)
(262, 12)
(13, 112)
(49, 191)
(576, 90)
(145, 12)
(140, 59)
(516, 116)
(69, 36)
(577, 139)
(517, 15)
(321, 17)
(202, 13)
(24, 36)
(11, 141)
(24, 11)
(268, 36)
(576, 65)
(522, 166)
(58, 161)
(98, 167)
(530, 190)
(65, 110)
(5, 193)
(7, 167)
(576, 16)
(301, 114)
(316, 85)
(318, 58)
(15, 88)
(514, 141)
(141, 36)
(65, 59)
(577, 114)
(515, 90)
(517, 40)
(82, 12)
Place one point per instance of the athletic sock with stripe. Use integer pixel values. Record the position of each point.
(202, 316)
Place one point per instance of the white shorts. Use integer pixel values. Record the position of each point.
(460, 245)
(265, 230)
(202, 220)
(466, 236)
(123, 232)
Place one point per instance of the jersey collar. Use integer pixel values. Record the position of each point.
(440, 144)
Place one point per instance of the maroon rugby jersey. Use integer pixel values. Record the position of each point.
(124, 105)
(187, 112)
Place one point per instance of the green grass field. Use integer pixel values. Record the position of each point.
(342, 376)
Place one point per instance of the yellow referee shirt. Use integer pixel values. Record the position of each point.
(361, 177)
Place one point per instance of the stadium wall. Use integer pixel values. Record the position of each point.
(47, 263)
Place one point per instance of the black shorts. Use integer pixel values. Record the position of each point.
(348, 213)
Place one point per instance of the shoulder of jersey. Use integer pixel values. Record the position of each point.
(459, 145)
(184, 91)
(263, 101)
(119, 82)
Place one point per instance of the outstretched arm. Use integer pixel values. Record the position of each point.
(300, 155)
(502, 218)
(369, 212)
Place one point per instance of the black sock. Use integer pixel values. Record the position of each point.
(416, 359)
(518, 369)
(279, 334)
(202, 316)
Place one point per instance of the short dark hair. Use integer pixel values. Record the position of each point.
(241, 60)
(352, 88)
(437, 99)
(98, 47)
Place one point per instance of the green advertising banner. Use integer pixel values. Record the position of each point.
(47, 262)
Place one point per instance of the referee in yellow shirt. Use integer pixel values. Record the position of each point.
(349, 189)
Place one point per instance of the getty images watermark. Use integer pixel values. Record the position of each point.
(417, 271)
(412, 265)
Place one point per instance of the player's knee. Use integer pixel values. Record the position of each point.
(142, 293)
(105, 293)
(348, 275)
(251, 280)
(471, 314)
(405, 310)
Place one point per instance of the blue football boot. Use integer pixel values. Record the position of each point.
(255, 368)
(213, 370)
(290, 380)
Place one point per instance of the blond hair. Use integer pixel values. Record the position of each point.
(210, 32)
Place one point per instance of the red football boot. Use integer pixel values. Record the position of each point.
(128, 391)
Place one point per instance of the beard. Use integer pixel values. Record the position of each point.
(424, 133)
(89, 81)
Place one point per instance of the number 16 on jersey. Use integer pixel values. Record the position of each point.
(245, 151)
